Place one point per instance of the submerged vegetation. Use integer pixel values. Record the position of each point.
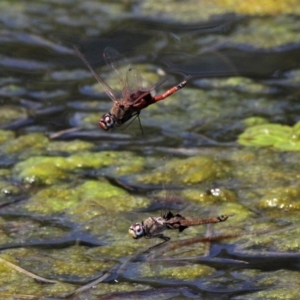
(226, 144)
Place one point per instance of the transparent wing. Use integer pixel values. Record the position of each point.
(130, 79)
(135, 81)
(105, 86)
(120, 64)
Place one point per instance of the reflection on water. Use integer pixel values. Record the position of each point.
(70, 190)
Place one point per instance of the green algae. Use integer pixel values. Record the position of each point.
(266, 32)
(80, 198)
(90, 160)
(49, 170)
(70, 146)
(23, 229)
(41, 170)
(253, 121)
(239, 84)
(179, 273)
(193, 11)
(6, 135)
(279, 293)
(29, 142)
(281, 137)
(108, 196)
(7, 188)
(106, 288)
(263, 7)
(17, 284)
(57, 289)
(54, 199)
(5, 238)
(118, 248)
(188, 171)
(10, 114)
(284, 198)
(7, 273)
(21, 284)
(78, 263)
(258, 168)
(96, 189)
(288, 242)
(211, 196)
(5, 173)
(104, 159)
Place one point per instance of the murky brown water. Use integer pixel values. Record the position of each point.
(68, 199)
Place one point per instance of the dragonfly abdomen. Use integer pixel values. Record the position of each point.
(179, 222)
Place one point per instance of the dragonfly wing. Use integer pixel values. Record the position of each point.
(119, 63)
(139, 86)
(130, 79)
(135, 82)
(104, 85)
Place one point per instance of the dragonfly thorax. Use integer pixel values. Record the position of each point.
(137, 230)
(107, 121)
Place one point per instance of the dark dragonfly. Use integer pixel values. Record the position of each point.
(153, 227)
(134, 97)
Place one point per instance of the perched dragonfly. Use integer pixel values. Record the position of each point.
(153, 227)
(134, 96)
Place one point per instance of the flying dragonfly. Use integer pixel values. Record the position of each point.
(153, 227)
(134, 96)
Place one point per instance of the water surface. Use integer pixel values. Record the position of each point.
(225, 144)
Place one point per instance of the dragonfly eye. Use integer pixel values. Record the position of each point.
(136, 230)
(107, 121)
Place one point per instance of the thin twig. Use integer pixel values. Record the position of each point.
(62, 132)
(19, 296)
(30, 274)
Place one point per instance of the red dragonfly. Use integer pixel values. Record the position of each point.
(134, 97)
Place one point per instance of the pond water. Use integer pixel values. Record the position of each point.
(227, 143)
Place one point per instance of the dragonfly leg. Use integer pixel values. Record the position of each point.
(161, 236)
(171, 91)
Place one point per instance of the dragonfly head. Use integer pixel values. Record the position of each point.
(107, 121)
(137, 230)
